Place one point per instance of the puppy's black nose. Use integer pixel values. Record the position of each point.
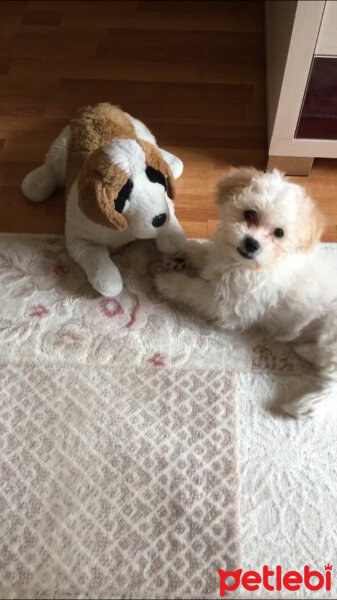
(251, 245)
(159, 220)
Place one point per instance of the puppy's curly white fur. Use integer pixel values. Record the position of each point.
(261, 268)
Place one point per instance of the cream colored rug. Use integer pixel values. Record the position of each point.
(119, 459)
(119, 465)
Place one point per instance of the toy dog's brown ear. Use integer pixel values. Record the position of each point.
(99, 184)
(234, 182)
(155, 160)
(171, 184)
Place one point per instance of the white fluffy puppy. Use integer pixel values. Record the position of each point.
(260, 268)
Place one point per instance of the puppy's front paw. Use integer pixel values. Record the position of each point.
(174, 263)
(169, 244)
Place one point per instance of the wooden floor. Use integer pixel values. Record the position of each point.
(194, 71)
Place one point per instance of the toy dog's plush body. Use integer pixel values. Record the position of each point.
(119, 187)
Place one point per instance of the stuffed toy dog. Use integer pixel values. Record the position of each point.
(119, 187)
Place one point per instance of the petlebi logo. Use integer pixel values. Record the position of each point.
(275, 579)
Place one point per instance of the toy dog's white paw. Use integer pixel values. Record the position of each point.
(108, 284)
(39, 184)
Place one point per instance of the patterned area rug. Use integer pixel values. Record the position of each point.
(119, 446)
(119, 466)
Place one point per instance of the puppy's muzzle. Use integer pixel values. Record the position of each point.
(249, 247)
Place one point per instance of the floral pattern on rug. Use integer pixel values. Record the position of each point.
(51, 309)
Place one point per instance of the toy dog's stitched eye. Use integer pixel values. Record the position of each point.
(155, 176)
(251, 216)
(123, 196)
(278, 232)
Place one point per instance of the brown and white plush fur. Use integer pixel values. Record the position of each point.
(277, 281)
(119, 187)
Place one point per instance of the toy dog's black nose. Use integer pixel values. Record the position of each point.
(159, 220)
(251, 245)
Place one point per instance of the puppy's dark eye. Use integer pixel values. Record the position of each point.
(123, 196)
(251, 216)
(155, 176)
(278, 232)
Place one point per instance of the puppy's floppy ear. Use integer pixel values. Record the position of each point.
(234, 182)
(155, 160)
(312, 224)
(99, 184)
